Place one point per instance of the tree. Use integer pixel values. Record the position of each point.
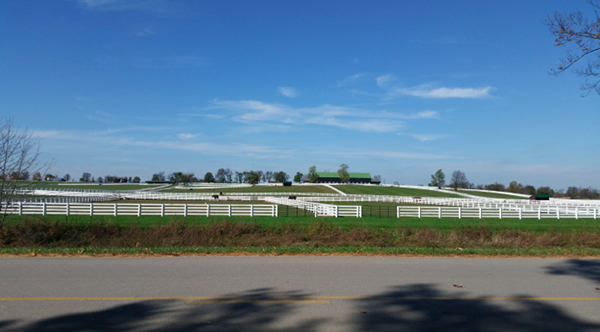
(208, 177)
(298, 177)
(220, 176)
(459, 180)
(100, 179)
(281, 176)
(37, 176)
(545, 191)
(268, 176)
(514, 187)
(19, 153)
(343, 173)
(137, 179)
(67, 177)
(86, 177)
(160, 176)
(312, 175)
(252, 177)
(239, 177)
(438, 179)
(584, 34)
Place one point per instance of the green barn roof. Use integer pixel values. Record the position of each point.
(352, 175)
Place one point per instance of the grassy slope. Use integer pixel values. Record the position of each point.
(394, 191)
(491, 195)
(259, 189)
(112, 187)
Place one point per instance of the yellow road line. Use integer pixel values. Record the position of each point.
(222, 299)
(259, 301)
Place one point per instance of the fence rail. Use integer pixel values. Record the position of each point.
(129, 209)
(542, 212)
(319, 209)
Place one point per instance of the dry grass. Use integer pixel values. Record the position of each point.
(41, 233)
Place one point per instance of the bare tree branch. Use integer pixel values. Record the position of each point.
(583, 35)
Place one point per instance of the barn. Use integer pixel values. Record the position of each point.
(334, 177)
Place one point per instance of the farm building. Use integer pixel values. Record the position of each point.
(333, 177)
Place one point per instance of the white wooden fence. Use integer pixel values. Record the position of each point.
(319, 209)
(129, 209)
(542, 212)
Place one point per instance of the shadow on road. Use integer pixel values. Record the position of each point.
(416, 307)
(584, 268)
(257, 310)
(422, 307)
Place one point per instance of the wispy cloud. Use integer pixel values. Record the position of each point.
(186, 136)
(443, 92)
(171, 62)
(350, 79)
(154, 7)
(386, 82)
(425, 137)
(253, 111)
(287, 91)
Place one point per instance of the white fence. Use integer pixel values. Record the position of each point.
(542, 212)
(128, 209)
(319, 209)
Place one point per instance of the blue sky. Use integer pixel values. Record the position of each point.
(396, 88)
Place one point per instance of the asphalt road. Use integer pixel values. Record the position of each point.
(299, 294)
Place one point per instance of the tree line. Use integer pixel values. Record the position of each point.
(459, 181)
(223, 175)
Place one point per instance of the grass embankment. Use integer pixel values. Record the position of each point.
(369, 236)
(394, 191)
(491, 195)
(257, 189)
(110, 187)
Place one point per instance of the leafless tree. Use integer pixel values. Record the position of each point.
(584, 35)
(459, 180)
(19, 154)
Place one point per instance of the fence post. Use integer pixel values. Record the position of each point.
(520, 213)
(162, 210)
(21, 208)
(480, 214)
(336, 209)
(139, 210)
(251, 210)
(91, 209)
(229, 210)
(208, 210)
(500, 213)
(68, 208)
(576, 212)
(419, 212)
(539, 212)
(185, 210)
(397, 212)
(440, 212)
(44, 208)
(359, 211)
(595, 213)
(557, 212)
(459, 212)
(116, 210)
(276, 210)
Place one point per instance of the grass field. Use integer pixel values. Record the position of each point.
(491, 195)
(111, 187)
(259, 189)
(301, 235)
(393, 191)
(444, 224)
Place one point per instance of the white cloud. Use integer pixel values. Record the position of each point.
(287, 91)
(443, 92)
(350, 80)
(185, 136)
(426, 137)
(384, 81)
(253, 111)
